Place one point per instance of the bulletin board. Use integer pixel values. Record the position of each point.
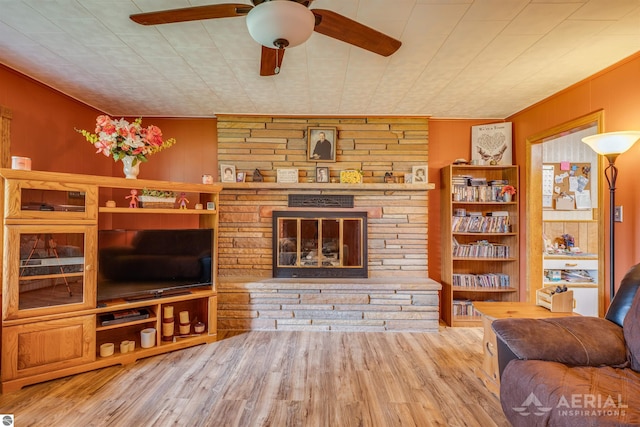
(566, 186)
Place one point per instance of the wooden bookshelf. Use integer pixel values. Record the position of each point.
(496, 277)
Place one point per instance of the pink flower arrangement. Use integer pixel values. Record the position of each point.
(508, 189)
(119, 138)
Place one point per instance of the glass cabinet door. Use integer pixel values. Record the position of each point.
(49, 268)
(320, 244)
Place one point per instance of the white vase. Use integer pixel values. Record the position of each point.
(506, 197)
(130, 171)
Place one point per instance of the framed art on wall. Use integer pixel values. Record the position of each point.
(321, 144)
(491, 144)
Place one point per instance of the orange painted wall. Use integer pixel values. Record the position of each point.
(43, 123)
(616, 91)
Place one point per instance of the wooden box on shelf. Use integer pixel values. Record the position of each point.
(557, 302)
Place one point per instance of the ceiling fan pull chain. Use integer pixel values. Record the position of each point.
(276, 70)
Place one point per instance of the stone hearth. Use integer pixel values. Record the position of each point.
(328, 304)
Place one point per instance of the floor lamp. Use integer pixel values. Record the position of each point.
(611, 145)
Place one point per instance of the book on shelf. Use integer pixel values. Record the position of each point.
(124, 316)
(480, 224)
(498, 213)
(480, 249)
(487, 280)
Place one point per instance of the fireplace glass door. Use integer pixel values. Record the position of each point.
(317, 244)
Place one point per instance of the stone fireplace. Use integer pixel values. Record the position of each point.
(396, 293)
(319, 244)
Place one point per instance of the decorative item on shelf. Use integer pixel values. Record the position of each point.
(168, 323)
(107, 349)
(157, 199)
(388, 177)
(182, 201)
(257, 176)
(211, 206)
(351, 176)
(124, 346)
(507, 193)
(133, 198)
(184, 327)
(241, 176)
(148, 338)
(110, 203)
(207, 178)
(21, 163)
(199, 327)
(198, 206)
(125, 141)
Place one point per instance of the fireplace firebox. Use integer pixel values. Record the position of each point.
(309, 244)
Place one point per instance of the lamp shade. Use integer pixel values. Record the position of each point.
(612, 142)
(280, 23)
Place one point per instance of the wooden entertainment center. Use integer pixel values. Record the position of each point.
(52, 324)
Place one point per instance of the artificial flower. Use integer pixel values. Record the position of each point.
(508, 189)
(119, 138)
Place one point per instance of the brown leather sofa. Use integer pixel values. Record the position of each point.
(574, 371)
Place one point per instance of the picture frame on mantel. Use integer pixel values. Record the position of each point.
(321, 144)
(227, 173)
(287, 176)
(419, 174)
(322, 174)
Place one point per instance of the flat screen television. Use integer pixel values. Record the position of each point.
(146, 264)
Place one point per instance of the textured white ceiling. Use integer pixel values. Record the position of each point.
(459, 58)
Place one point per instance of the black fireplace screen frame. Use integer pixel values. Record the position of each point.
(326, 255)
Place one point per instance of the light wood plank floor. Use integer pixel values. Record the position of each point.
(265, 378)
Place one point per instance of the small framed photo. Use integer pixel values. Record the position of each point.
(322, 174)
(227, 173)
(419, 174)
(287, 175)
(240, 177)
(408, 178)
(321, 143)
(211, 206)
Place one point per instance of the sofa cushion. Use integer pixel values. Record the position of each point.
(585, 341)
(543, 393)
(632, 333)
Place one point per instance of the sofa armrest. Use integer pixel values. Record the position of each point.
(577, 341)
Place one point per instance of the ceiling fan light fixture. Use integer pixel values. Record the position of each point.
(273, 21)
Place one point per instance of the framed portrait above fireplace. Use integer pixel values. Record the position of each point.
(321, 143)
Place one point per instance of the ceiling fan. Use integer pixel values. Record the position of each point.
(278, 24)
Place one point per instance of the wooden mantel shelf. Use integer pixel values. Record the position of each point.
(325, 186)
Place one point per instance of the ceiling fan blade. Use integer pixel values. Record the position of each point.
(191, 14)
(268, 66)
(340, 27)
